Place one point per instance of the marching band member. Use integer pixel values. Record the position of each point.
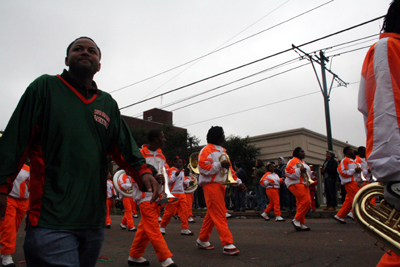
(176, 183)
(296, 182)
(148, 230)
(189, 199)
(110, 194)
(378, 101)
(125, 182)
(348, 175)
(153, 154)
(210, 179)
(272, 182)
(17, 205)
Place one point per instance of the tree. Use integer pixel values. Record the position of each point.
(239, 149)
(178, 143)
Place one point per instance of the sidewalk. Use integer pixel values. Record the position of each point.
(317, 214)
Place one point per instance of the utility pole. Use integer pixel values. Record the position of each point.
(324, 88)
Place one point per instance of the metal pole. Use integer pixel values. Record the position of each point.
(326, 101)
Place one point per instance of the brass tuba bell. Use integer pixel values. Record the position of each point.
(229, 177)
(194, 172)
(381, 221)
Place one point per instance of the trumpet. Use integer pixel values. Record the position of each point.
(229, 177)
(194, 171)
(166, 197)
(381, 221)
(305, 175)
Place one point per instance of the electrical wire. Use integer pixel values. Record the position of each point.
(253, 62)
(215, 49)
(190, 61)
(245, 110)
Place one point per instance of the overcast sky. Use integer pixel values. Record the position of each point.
(140, 39)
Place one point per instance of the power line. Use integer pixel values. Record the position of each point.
(269, 104)
(241, 87)
(226, 84)
(215, 49)
(253, 62)
(276, 25)
(257, 73)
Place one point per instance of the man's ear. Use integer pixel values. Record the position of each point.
(66, 61)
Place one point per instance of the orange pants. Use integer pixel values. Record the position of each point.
(128, 220)
(134, 208)
(389, 260)
(15, 212)
(109, 207)
(273, 194)
(149, 231)
(181, 207)
(351, 189)
(189, 198)
(303, 201)
(214, 195)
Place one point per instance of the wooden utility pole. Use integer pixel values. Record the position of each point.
(324, 88)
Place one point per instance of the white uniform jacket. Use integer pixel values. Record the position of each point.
(270, 180)
(177, 183)
(210, 166)
(378, 101)
(293, 174)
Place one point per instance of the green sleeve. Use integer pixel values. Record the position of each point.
(124, 149)
(23, 123)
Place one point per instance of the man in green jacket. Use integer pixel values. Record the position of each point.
(67, 127)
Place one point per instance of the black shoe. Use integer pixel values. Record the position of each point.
(172, 265)
(305, 229)
(108, 226)
(134, 263)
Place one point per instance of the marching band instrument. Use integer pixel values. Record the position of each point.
(167, 197)
(125, 193)
(363, 179)
(381, 221)
(194, 171)
(229, 177)
(305, 175)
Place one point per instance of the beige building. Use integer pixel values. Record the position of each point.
(281, 144)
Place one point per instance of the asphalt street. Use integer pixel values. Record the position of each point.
(261, 243)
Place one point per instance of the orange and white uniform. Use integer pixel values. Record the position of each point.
(214, 194)
(189, 200)
(157, 160)
(296, 183)
(272, 183)
(176, 185)
(125, 182)
(110, 194)
(378, 101)
(350, 179)
(148, 229)
(17, 205)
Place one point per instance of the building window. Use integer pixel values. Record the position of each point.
(150, 118)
